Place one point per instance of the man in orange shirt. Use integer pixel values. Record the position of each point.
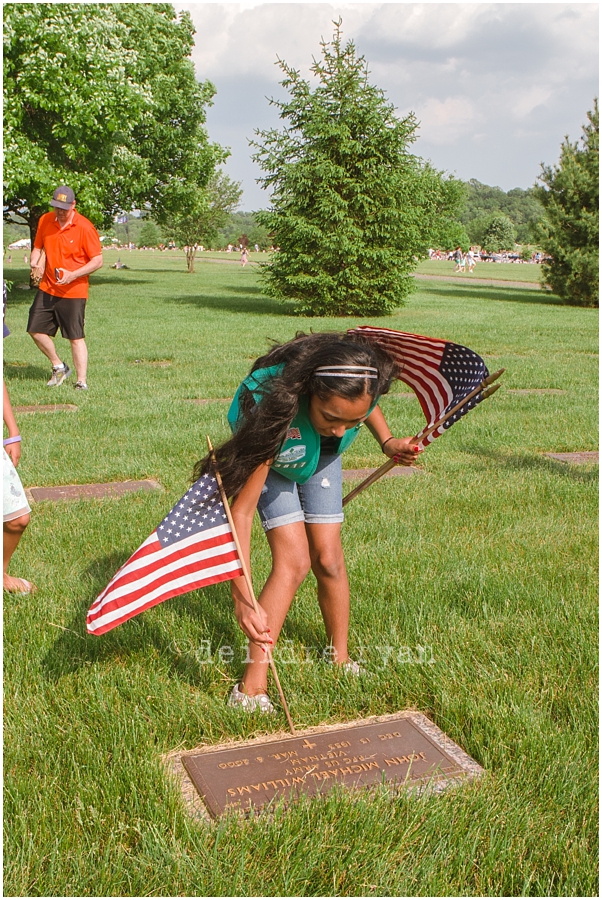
(73, 252)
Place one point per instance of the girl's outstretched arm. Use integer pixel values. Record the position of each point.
(13, 450)
(391, 446)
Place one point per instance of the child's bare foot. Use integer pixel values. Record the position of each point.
(17, 585)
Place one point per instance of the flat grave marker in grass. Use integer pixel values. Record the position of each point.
(90, 491)
(46, 408)
(201, 401)
(405, 751)
(154, 363)
(396, 471)
(580, 458)
(536, 391)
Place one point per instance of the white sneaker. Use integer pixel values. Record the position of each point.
(59, 373)
(243, 701)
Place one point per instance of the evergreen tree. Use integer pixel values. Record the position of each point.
(352, 209)
(570, 230)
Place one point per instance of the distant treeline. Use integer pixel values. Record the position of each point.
(241, 228)
(482, 203)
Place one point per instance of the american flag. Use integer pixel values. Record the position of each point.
(440, 373)
(191, 548)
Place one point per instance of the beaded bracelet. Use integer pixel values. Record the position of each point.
(384, 443)
(12, 440)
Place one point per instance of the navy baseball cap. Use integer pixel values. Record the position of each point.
(63, 197)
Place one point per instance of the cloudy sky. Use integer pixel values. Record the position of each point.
(495, 86)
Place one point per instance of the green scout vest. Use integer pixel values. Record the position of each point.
(299, 455)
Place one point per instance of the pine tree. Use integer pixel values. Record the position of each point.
(570, 230)
(352, 208)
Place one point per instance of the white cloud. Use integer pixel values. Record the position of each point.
(524, 104)
(446, 121)
(495, 86)
(237, 39)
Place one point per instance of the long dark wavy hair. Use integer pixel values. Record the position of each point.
(263, 424)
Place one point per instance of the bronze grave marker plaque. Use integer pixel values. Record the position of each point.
(48, 407)
(404, 750)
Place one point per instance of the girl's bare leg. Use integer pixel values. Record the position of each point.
(328, 565)
(12, 532)
(290, 565)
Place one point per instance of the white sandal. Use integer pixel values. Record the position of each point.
(240, 700)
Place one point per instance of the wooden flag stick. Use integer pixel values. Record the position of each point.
(370, 479)
(420, 437)
(248, 581)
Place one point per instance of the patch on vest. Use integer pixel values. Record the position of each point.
(293, 434)
(294, 453)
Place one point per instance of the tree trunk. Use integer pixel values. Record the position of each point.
(33, 218)
(190, 254)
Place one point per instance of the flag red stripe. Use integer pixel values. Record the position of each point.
(164, 556)
(120, 587)
(164, 576)
(398, 336)
(145, 549)
(167, 595)
(155, 573)
(418, 358)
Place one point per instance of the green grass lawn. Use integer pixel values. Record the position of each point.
(489, 270)
(489, 560)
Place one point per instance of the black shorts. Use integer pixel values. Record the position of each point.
(48, 313)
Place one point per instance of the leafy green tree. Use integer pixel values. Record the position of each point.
(200, 223)
(12, 233)
(499, 234)
(243, 223)
(102, 97)
(570, 231)
(476, 229)
(149, 235)
(482, 202)
(352, 208)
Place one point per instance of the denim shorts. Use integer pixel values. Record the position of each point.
(318, 502)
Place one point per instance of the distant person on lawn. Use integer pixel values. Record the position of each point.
(459, 259)
(73, 251)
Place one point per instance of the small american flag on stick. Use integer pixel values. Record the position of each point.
(191, 548)
(439, 372)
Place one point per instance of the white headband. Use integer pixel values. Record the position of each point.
(346, 372)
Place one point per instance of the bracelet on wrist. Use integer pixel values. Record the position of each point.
(384, 443)
(12, 440)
